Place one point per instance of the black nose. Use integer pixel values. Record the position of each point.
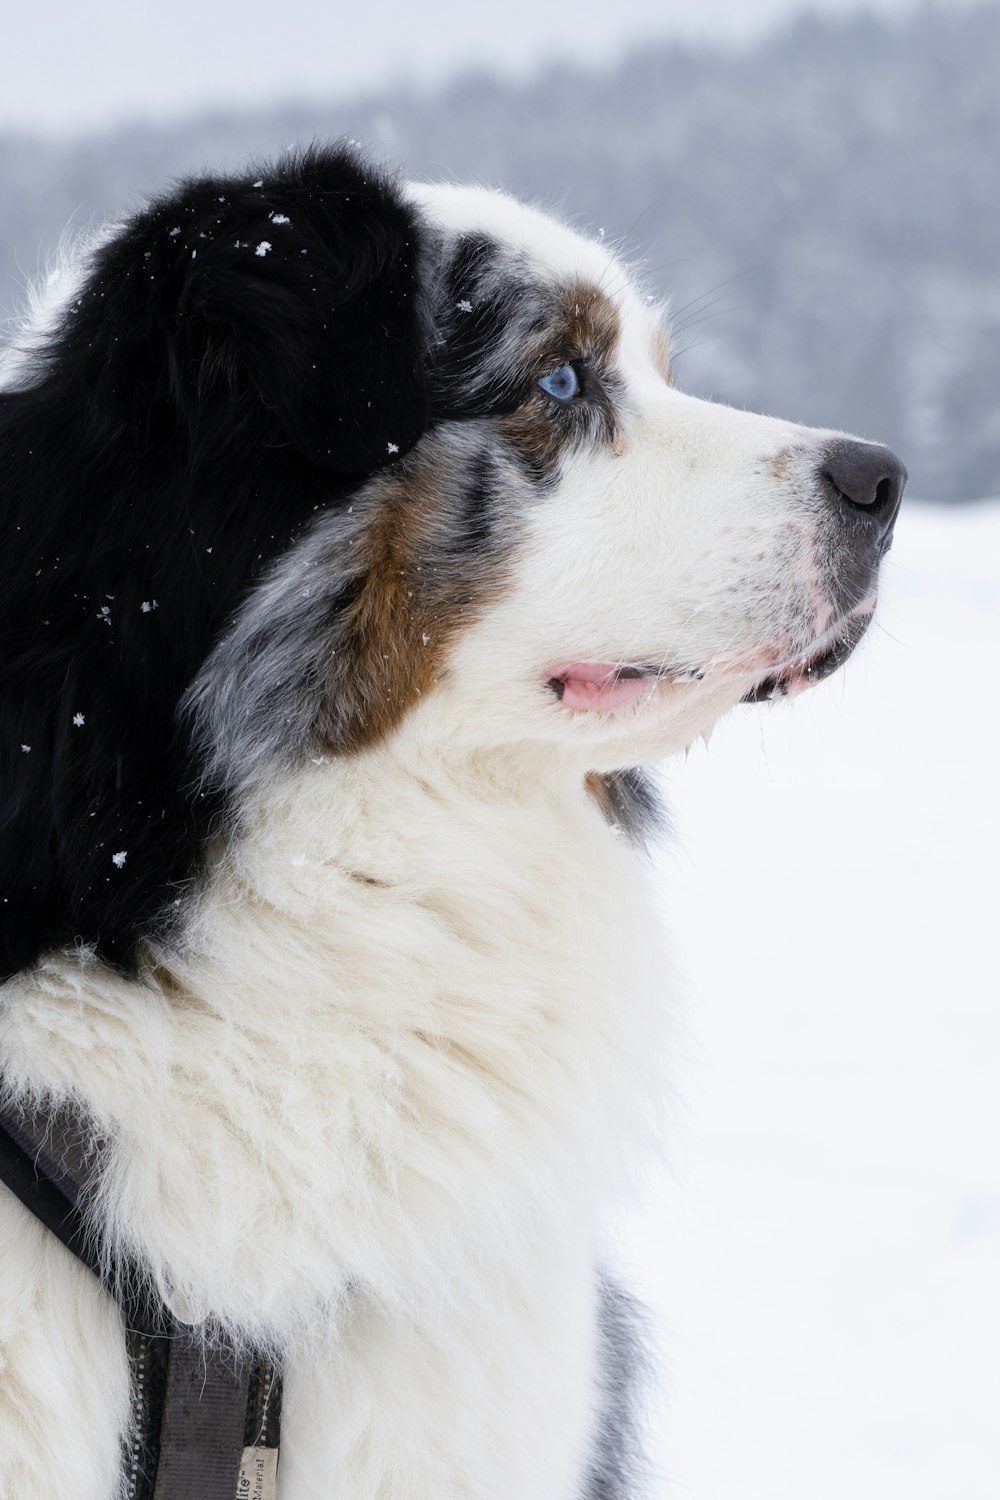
(867, 479)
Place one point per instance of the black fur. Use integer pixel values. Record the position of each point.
(487, 306)
(481, 497)
(197, 404)
(617, 1471)
(636, 806)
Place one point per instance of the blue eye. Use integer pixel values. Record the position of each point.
(563, 383)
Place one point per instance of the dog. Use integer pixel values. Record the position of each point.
(359, 555)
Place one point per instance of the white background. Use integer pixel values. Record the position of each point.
(69, 66)
(823, 1250)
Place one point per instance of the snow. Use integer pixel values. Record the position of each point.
(141, 63)
(822, 1253)
(79, 720)
(263, 247)
(119, 858)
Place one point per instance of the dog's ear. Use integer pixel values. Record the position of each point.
(296, 290)
(233, 358)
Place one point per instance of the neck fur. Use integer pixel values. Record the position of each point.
(406, 1026)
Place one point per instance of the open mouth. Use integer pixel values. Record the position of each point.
(604, 686)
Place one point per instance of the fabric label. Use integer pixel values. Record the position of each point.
(258, 1474)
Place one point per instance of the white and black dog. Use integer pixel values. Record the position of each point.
(357, 549)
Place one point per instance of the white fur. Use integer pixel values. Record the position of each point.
(371, 1113)
(63, 1373)
(47, 302)
(371, 1107)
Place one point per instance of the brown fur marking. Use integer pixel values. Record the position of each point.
(413, 599)
(600, 793)
(591, 323)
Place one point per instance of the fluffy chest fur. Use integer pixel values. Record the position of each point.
(407, 1000)
(373, 1107)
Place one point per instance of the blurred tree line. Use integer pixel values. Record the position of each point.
(823, 209)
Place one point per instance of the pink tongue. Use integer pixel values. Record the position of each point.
(590, 686)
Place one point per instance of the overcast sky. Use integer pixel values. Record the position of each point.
(70, 67)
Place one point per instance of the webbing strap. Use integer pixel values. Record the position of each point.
(45, 1181)
(198, 1412)
(204, 1416)
(51, 1162)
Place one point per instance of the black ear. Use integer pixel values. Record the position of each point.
(236, 356)
(298, 289)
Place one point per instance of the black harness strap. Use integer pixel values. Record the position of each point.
(204, 1416)
(206, 1425)
(49, 1178)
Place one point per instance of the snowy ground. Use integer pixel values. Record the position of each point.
(823, 1254)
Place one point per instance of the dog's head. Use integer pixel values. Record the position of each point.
(308, 458)
(656, 558)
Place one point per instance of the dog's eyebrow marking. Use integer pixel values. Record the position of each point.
(591, 323)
